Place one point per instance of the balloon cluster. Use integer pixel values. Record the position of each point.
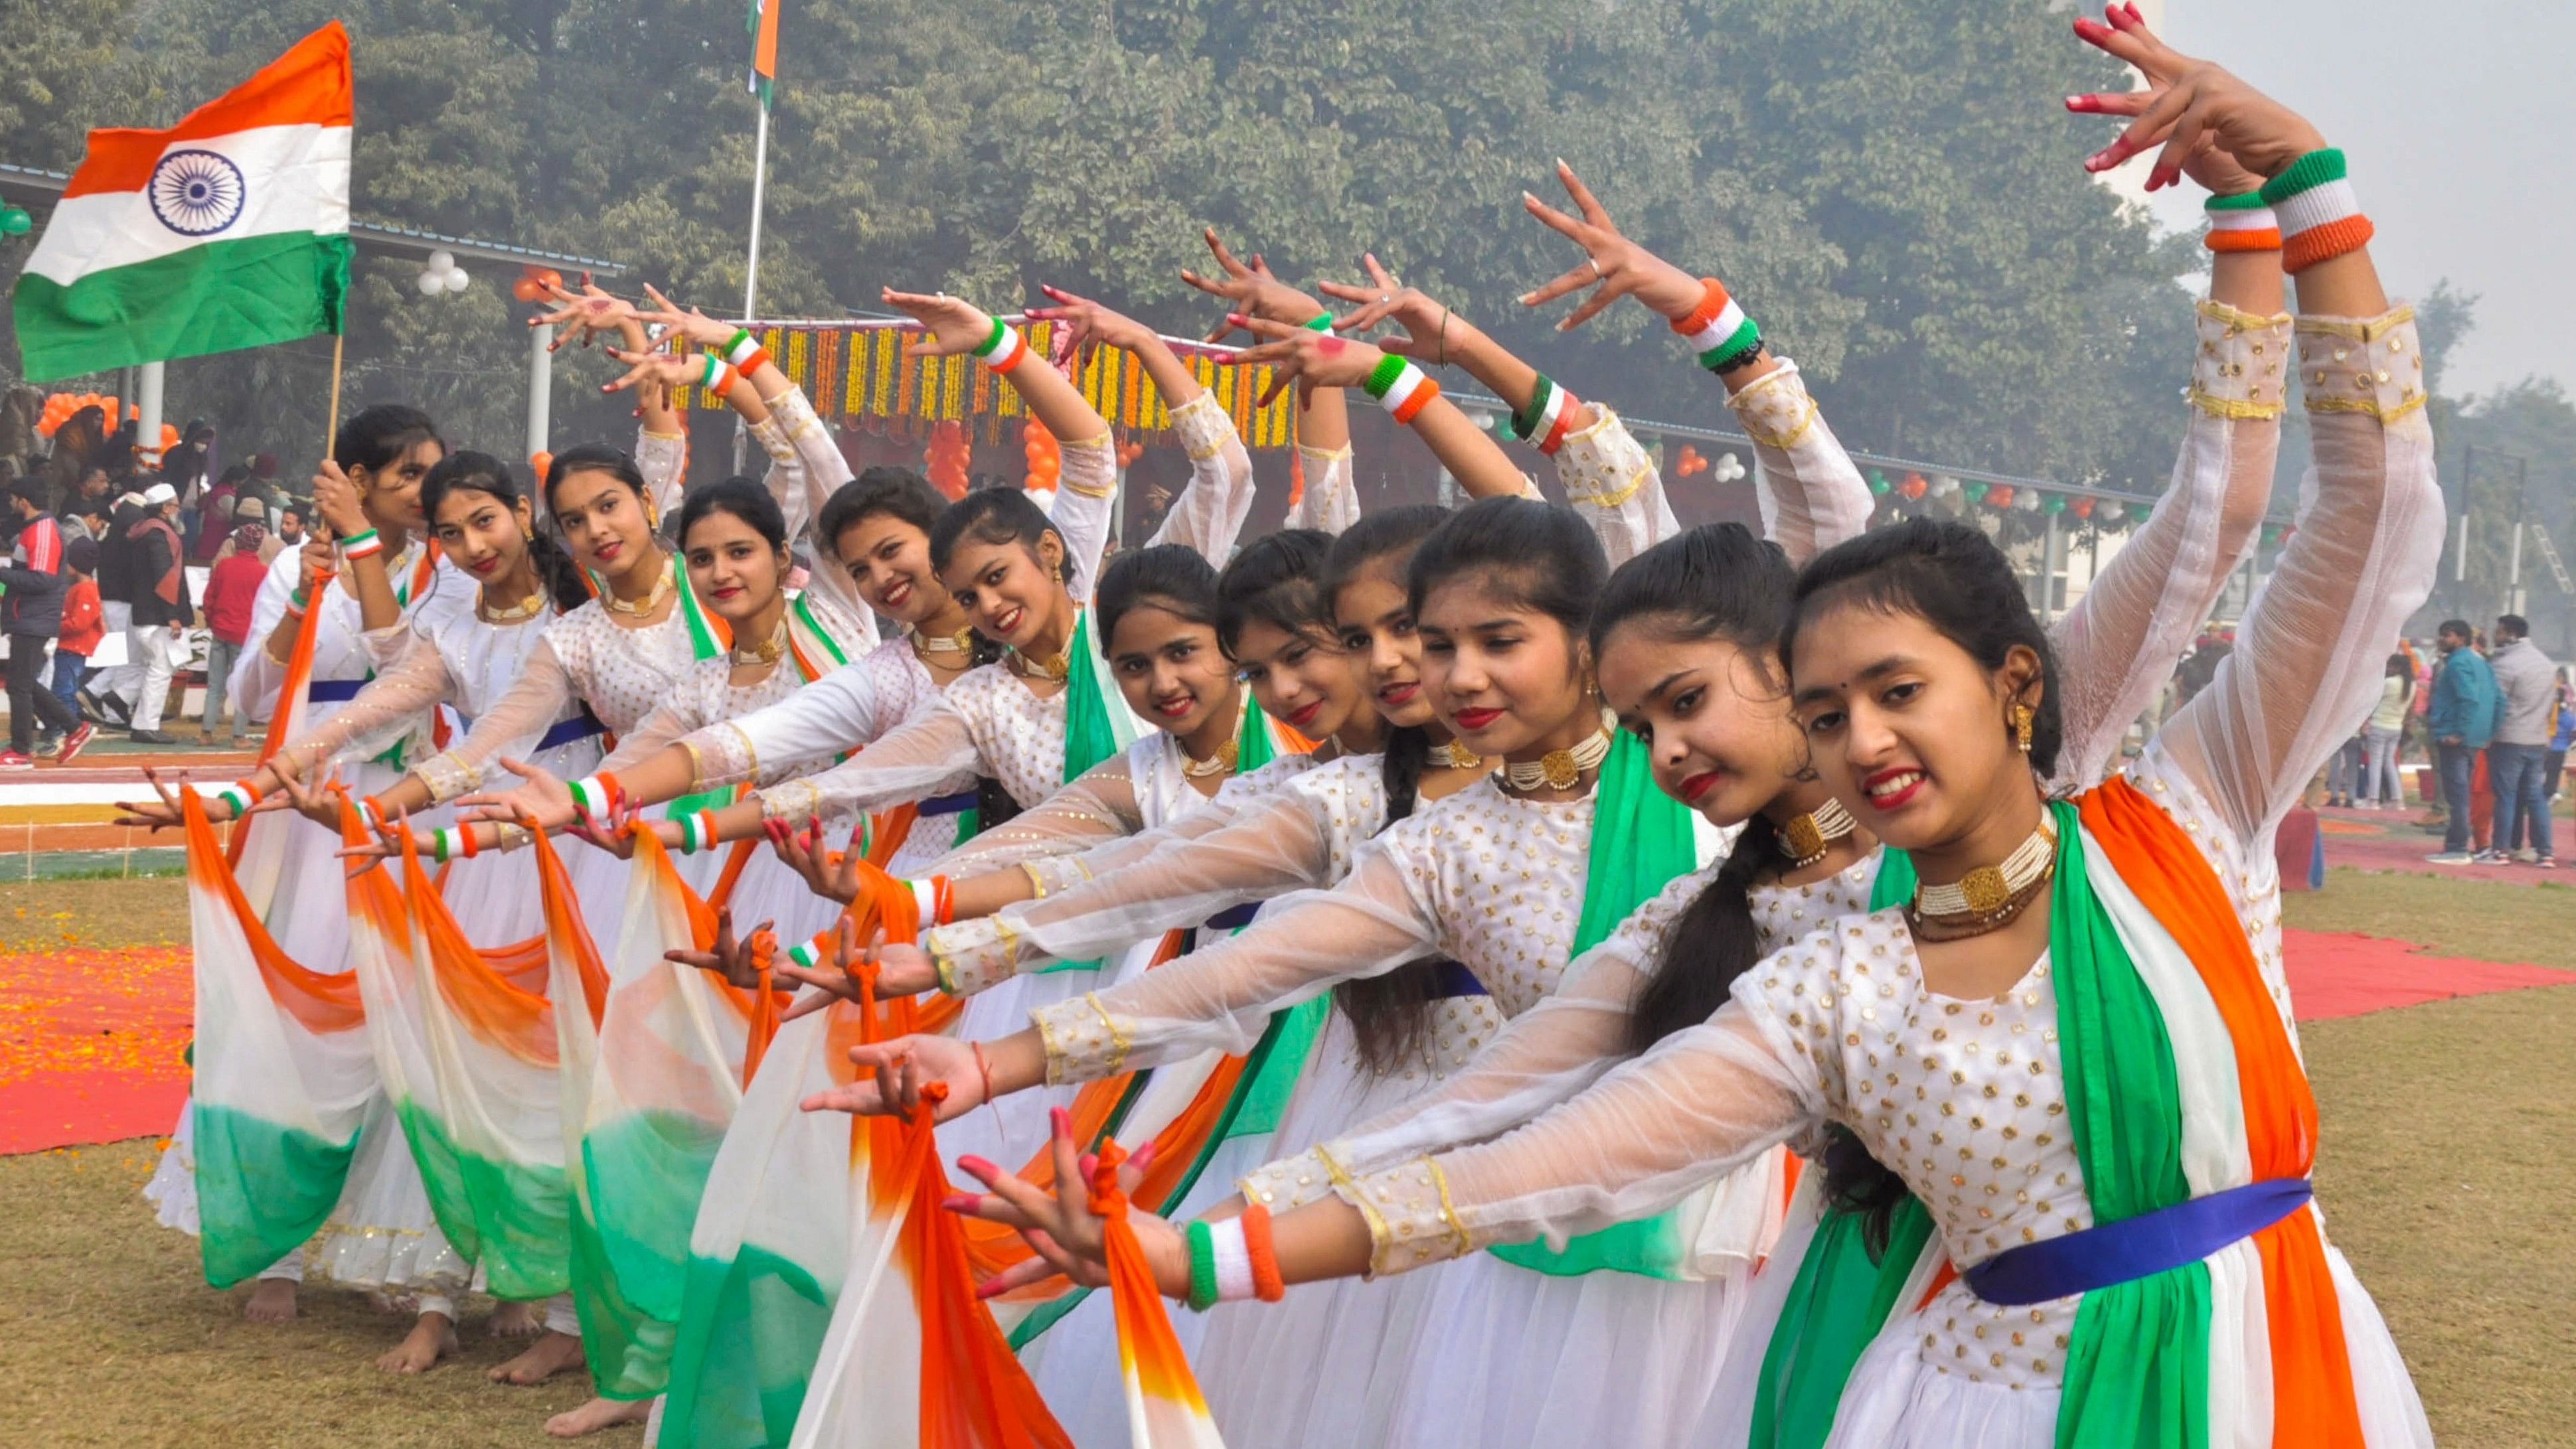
(946, 458)
(543, 462)
(442, 275)
(1689, 462)
(14, 221)
(1045, 459)
(536, 283)
(60, 406)
(1130, 451)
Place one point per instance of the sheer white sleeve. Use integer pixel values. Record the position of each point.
(414, 684)
(1810, 492)
(1290, 840)
(910, 763)
(2308, 659)
(1543, 1056)
(1210, 512)
(1098, 805)
(670, 722)
(1610, 481)
(840, 711)
(806, 469)
(663, 459)
(2120, 641)
(1703, 1102)
(1330, 501)
(1084, 503)
(1222, 995)
(539, 697)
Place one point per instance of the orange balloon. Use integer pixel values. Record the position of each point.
(543, 462)
(548, 279)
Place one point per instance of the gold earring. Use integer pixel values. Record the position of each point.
(2022, 719)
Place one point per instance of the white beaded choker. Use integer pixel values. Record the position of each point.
(1988, 889)
(1806, 839)
(1559, 769)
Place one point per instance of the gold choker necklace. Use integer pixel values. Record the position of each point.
(1989, 897)
(767, 650)
(1040, 666)
(651, 601)
(1451, 755)
(527, 608)
(1220, 763)
(1559, 769)
(961, 642)
(1806, 839)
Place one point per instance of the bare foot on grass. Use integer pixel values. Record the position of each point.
(432, 1337)
(550, 1355)
(516, 1320)
(598, 1414)
(273, 1301)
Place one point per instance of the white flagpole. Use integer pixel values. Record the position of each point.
(751, 270)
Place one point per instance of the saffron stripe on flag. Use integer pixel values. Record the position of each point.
(308, 85)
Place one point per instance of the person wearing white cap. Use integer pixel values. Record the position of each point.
(112, 686)
(162, 611)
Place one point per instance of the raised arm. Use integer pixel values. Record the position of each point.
(1328, 501)
(1311, 359)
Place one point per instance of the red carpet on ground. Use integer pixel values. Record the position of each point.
(2344, 973)
(92, 1044)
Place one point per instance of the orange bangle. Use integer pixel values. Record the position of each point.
(1266, 1283)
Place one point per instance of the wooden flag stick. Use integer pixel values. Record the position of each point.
(331, 419)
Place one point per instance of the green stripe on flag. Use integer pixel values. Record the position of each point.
(217, 297)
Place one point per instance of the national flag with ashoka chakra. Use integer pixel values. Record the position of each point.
(228, 230)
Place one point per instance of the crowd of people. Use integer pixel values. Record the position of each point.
(106, 535)
(1561, 974)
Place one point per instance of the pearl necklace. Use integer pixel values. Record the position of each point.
(1559, 769)
(650, 602)
(1220, 763)
(526, 608)
(767, 650)
(1989, 896)
(1806, 839)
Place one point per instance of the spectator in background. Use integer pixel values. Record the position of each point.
(84, 627)
(32, 614)
(113, 692)
(2462, 721)
(161, 611)
(2562, 731)
(290, 528)
(2528, 684)
(230, 591)
(249, 509)
(215, 514)
(2380, 786)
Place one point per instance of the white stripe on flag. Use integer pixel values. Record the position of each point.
(293, 179)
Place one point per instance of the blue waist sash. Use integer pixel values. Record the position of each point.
(957, 804)
(1234, 919)
(1456, 980)
(580, 727)
(2133, 1248)
(333, 691)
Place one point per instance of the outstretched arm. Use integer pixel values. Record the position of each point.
(1317, 360)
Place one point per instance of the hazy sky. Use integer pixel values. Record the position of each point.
(2453, 115)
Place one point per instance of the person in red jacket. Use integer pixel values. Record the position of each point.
(84, 629)
(231, 588)
(32, 613)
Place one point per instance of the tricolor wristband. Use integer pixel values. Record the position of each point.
(811, 954)
(454, 842)
(2242, 224)
(596, 794)
(718, 375)
(1004, 349)
(2320, 216)
(360, 545)
(1717, 329)
(242, 794)
(739, 349)
(1400, 387)
(745, 367)
(1545, 422)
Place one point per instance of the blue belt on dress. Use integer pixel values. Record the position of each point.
(333, 691)
(1232, 919)
(957, 804)
(1454, 979)
(580, 727)
(2112, 1253)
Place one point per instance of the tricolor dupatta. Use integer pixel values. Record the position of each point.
(709, 638)
(1097, 721)
(911, 1360)
(1164, 1407)
(284, 1074)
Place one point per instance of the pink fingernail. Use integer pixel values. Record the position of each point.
(1062, 1119)
(1236, 318)
(979, 1167)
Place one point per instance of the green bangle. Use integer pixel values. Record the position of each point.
(1202, 1266)
(993, 340)
(1523, 424)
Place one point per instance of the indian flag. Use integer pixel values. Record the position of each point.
(228, 230)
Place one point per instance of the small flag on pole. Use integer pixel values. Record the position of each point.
(228, 230)
(764, 49)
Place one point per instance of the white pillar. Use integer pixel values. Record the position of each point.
(147, 435)
(541, 378)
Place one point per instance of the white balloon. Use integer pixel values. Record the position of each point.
(442, 261)
(1943, 485)
(455, 281)
(432, 283)
(1727, 469)
(2027, 500)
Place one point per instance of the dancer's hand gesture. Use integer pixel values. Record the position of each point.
(690, 323)
(1083, 323)
(2194, 109)
(542, 802)
(730, 956)
(1250, 290)
(161, 814)
(900, 970)
(616, 834)
(585, 314)
(1614, 267)
(833, 875)
(335, 497)
(955, 324)
(897, 1070)
(1061, 1227)
(1308, 358)
(1431, 333)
